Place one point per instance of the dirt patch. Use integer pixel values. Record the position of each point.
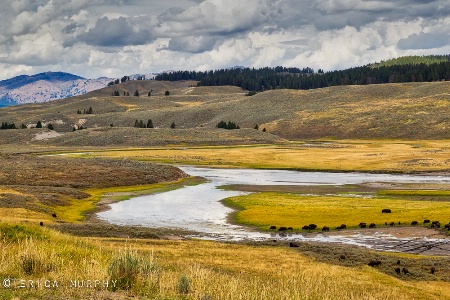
(45, 135)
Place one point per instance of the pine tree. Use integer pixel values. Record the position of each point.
(136, 94)
(172, 125)
(50, 126)
(39, 124)
(150, 123)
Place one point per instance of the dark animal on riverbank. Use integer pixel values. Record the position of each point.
(397, 270)
(343, 226)
(342, 257)
(290, 228)
(362, 225)
(414, 223)
(312, 226)
(41, 223)
(53, 215)
(306, 227)
(273, 227)
(374, 263)
(326, 228)
(294, 245)
(392, 224)
(372, 225)
(282, 228)
(447, 226)
(433, 270)
(405, 271)
(426, 221)
(435, 224)
(386, 211)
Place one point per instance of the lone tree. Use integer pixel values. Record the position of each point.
(172, 125)
(167, 93)
(39, 124)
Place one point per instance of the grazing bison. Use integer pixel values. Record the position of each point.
(386, 211)
(391, 224)
(362, 225)
(435, 224)
(397, 270)
(290, 228)
(53, 215)
(426, 221)
(282, 228)
(312, 226)
(414, 223)
(374, 263)
(433, 270)
(343, 226)
(405, 271)
(372, 225)
(342, 257)
(294, 245)
(447, 226)
(273, 227)
(325, 228)
(306, 227)
(41, 223)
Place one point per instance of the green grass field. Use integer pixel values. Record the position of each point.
(278, 209)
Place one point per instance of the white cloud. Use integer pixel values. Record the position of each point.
(93, 38)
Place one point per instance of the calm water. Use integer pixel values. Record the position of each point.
(198, 208)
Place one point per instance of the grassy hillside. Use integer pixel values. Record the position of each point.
(406, 111)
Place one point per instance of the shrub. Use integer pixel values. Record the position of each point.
(130, 270)
(184, 284)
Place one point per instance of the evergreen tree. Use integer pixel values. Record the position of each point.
(150, 123)
(136, 124)
(264, 129)
(50, 126)
(39, 124)
(172, 125)
(167, 93)
(256, 127)
(136, 94)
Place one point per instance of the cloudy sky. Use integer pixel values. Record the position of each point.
(94, 38)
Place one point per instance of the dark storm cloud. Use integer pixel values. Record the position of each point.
(115, 33)
(424, 41)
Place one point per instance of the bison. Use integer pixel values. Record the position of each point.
(326, 228)
(433, 270)
(374, 263)
(386, 211)
(273, 227)
(426, 221)
(294, 245)
(405, 271)
(372, 225)
(312, 226)
(282, 228)
(397, 270)
(306, 227)
(53, 215)
(362, 225)
(414, 223)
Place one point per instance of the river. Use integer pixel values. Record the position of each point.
(198, 208)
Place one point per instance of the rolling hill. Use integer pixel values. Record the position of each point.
(394, 111)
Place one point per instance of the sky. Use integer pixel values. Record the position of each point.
(113, 38)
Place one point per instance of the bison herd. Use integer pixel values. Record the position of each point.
(434, 224)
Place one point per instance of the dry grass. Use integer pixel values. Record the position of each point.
(155, 269)
(347, 155)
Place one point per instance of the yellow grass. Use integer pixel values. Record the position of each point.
(213, 270)
(266, 209)
(346, 155)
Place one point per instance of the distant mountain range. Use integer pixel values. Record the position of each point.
(46, 87)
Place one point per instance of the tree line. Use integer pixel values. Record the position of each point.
(262, 79)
